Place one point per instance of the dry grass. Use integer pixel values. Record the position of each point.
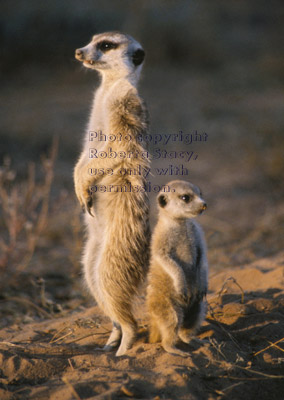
(24, 210)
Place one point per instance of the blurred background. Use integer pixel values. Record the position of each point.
(214, 67)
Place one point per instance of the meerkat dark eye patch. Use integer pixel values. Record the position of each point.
(162, 200)
(186, 198)
(105, 46)
(138, 57)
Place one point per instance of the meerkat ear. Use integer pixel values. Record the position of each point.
(162, 200)
(138, 57)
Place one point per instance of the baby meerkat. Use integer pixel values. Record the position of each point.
(178, 276)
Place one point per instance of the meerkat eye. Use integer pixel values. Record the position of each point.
(105, 46)
(186, 198)
(162, 201)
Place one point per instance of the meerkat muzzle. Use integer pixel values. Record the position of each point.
(202, 208)
(79, 54)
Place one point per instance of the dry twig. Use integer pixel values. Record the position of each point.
(268, 347)
(24, 210)
(72, 390)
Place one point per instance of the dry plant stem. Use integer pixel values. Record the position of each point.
(48, 164)
(236, 283)
(229, 388)
(54, 338)
(70, 363)
(127, 392)
(262, 374)
(217, 347)
(28, 303)
(43, 351)
(277, 347)
(24, 211)
(86, 336)
(67, 331)
(73, 391)
(214, 320)
(62, 337)
(268, 376)
(268, 347)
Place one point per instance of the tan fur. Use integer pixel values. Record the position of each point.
(116, 252)
(177, 280)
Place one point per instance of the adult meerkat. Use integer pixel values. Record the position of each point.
(178, 275)
(116, 252)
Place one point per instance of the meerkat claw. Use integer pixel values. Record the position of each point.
(89, 206)
(90, 212)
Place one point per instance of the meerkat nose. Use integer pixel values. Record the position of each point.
(204, 207)
(79, 53)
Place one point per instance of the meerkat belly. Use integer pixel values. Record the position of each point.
(124, 254)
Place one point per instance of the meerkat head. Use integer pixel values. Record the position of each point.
(183, 200)
(112, 51)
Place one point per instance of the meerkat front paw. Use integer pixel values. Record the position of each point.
(182, 291)
(183, 297)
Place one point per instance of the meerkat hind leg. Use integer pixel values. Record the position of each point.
(192, 321)
(168, 341)
(155, 334)
(114, 338)
(128, 336)
(185, 335)
(169, 336)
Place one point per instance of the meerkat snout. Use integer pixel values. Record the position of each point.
(78, 53)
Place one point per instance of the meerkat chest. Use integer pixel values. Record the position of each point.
(183, 246)
(98, 115)
(98, 124)
(184, 252)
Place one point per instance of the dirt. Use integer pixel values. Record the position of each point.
(239, 352)
(52, 335)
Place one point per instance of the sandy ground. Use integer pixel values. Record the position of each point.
(241, 355)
